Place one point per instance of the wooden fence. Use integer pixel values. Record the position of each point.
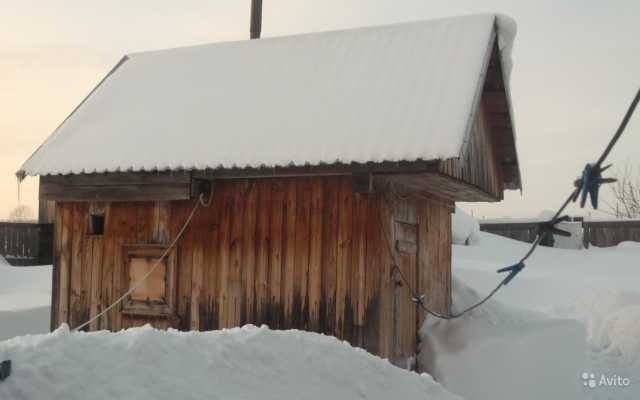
(610, 233)
(594, 233)
(522, 231)
(24, 243)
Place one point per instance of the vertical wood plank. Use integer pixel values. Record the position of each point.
(358, 267)
(212, 254)
(262, 257)
(289, 247)
(329, 255)
(65, 260)
(249, 247)
(374, 254)
(315, 253)
(196, 284)
(179, 214)
(343, 253)
(274, 314)
(225, 191)
(106, 296)
(96, 280)
(446, 261)
(301, 270)
(54, 319)
(76, 265)
(387, 281)
(162, 222)
(235, 292)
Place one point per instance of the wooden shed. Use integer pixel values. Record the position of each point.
(328, 158)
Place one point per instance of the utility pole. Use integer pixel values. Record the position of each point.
(256, 19)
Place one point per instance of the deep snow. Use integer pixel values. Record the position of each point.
(239, 363)
(25, 297)
(499, 352)
(567, 313)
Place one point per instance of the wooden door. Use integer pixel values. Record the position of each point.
(405, 312)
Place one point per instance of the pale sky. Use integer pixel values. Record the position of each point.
(576, 67)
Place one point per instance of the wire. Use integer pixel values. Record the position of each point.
(620, 130)
(519, 266)
(200, 202)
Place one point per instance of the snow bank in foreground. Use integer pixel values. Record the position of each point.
(497, 352)
(240, 363)
(612, 320)
(464, 228)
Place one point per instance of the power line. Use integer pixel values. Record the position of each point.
(587, 185)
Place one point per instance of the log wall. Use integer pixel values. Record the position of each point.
(304, 253)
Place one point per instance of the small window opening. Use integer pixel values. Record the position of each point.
(97, 224)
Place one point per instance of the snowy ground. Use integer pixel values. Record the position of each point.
(25, 297)
(240, 363)
(569, 312)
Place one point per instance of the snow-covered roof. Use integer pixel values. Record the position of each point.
(387, 93)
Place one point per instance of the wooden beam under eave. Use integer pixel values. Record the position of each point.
(442, 185)
(125, 192)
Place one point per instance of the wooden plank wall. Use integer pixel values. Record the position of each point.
(303, 253)
(522, 231)
(610, 233)
(479, 165)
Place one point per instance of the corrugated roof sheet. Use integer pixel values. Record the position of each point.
(388, 93)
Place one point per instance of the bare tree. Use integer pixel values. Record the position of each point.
(626, 193)
(20, 214)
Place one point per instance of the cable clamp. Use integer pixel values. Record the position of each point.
(418, 299)
(513, 271)
(589, 184)
(549, 227)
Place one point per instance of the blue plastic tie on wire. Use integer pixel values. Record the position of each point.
(513, 271)
(589, 184)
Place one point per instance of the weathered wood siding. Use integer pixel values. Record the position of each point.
(304, 253)
(478, 165)
(610, 233)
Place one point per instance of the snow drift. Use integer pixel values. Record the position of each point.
(588, 298)
(24, 287)
(464, 228)
(25, 296)
(239, 363)
(499, 352)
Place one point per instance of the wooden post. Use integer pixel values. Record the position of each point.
(256, 18)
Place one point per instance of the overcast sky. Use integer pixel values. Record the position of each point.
(576, 67)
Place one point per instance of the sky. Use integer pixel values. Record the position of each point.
(575, 71)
